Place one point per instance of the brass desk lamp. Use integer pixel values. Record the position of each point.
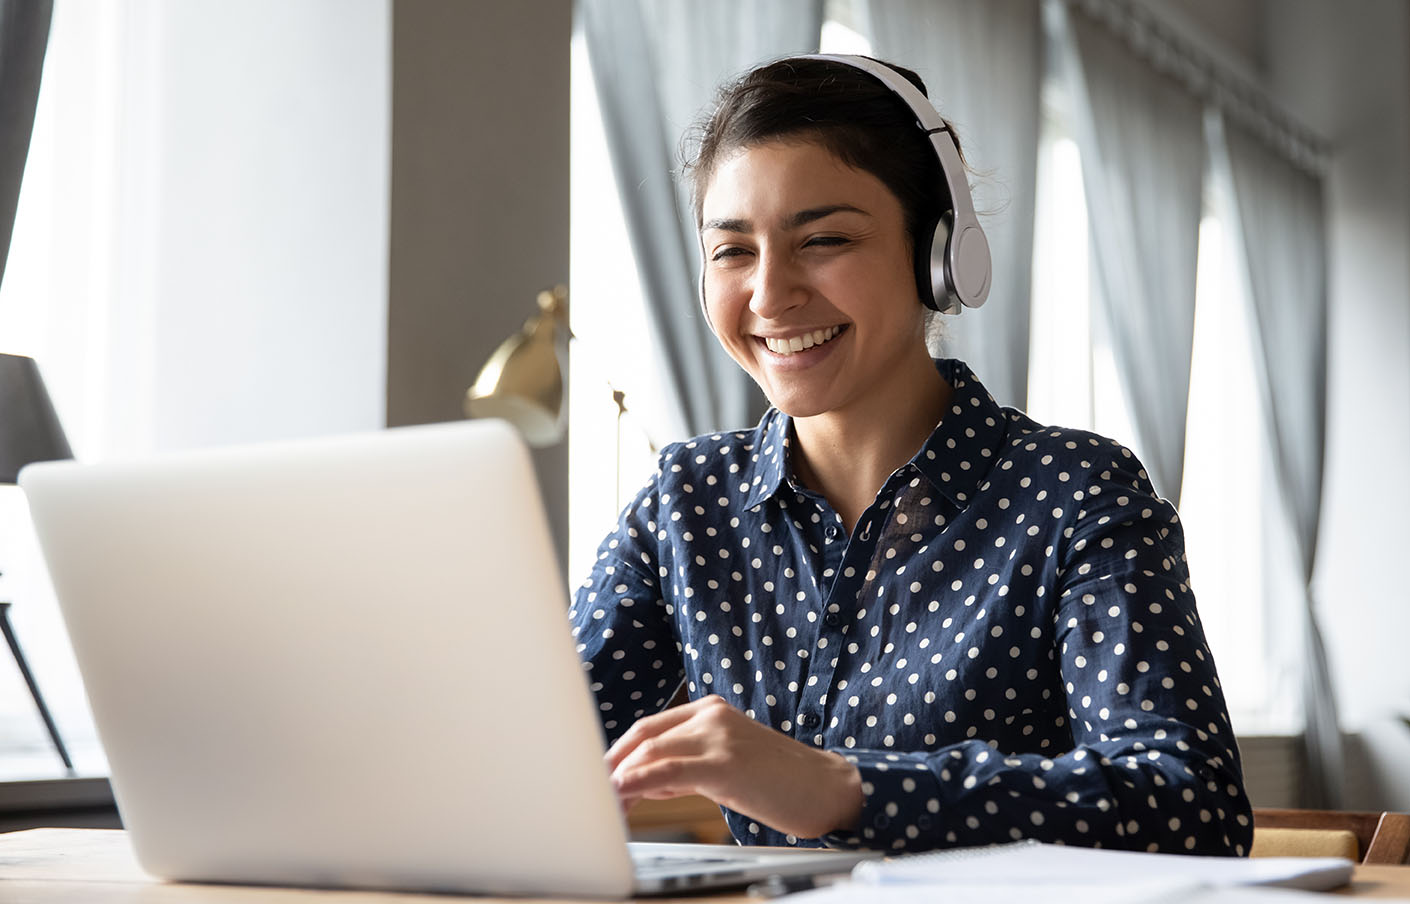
(524, 381)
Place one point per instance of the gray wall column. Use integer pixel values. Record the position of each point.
(479, 206)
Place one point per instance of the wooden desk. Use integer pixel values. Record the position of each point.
(96, 866)
(1378, 881)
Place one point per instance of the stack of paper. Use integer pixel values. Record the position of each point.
(1031, 862)
(1054, 874)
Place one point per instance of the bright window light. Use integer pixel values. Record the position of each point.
(1074, 382)
(613, 349)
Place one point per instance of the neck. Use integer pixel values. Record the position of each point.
(846, 455)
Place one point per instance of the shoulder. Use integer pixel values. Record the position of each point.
(1067, 454)
(731, 461)
(708, 453)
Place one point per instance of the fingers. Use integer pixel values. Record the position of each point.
(654, 726)
(670, 754)
(660, 778)
(708, 748)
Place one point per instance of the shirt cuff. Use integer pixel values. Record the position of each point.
(896, 808)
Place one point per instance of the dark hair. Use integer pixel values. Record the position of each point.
(843, 108)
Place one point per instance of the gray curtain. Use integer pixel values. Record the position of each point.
(656, 64)
(24, 35)
(1282, 226)
(982, 65)
(1141, 137)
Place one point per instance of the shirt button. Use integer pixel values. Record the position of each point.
(808, 720)
(832, 619)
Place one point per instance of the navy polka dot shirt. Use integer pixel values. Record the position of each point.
(1006, 646)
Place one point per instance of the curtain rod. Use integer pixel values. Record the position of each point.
(1208, 79)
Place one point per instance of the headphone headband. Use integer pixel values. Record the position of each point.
(958, 260)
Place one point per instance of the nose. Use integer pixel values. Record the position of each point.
(777, 286)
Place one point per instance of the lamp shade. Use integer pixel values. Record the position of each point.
(29, 427)
(523, 381)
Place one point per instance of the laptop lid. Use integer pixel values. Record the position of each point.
(337, 662)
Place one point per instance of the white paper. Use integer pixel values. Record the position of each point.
(1029, 863)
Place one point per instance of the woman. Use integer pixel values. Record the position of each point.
(906, 617)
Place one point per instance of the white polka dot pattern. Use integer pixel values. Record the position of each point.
(1007, 645)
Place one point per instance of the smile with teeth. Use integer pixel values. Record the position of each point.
(798, 343)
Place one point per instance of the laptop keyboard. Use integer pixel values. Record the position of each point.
(669, 861)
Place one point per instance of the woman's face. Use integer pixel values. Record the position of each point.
(803, 250)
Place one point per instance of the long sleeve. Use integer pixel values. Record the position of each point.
(1153, 764)
(622, 624)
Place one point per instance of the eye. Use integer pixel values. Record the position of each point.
(827, 241)
(728, 251)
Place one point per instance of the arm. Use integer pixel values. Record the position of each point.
(1153, 763)
(622, 625)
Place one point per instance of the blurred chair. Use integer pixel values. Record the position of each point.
(690, 818)
(1361, 836)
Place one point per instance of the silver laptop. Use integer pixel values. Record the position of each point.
(346, 662)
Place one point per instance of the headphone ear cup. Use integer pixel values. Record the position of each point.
(968, 266)
(932, 282)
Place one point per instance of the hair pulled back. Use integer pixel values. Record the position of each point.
(844, 109)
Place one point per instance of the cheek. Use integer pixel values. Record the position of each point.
(720, 302)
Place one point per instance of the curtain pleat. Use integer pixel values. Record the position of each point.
(656, 64)
(1141, 138)
(1281, 223)
(982, 64)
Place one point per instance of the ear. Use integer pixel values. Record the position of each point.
(704, 307)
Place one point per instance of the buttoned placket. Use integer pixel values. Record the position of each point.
(841, 597)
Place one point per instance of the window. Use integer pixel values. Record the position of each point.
(144, 247)
(74, 134)
(613, 348)
(1073, 381)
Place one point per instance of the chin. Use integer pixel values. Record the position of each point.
(796, 407)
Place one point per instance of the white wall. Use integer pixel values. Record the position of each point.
(271, 218)
(1348, 76)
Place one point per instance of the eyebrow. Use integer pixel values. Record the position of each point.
(801, 218)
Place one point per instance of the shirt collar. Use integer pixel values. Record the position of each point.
(969, 439)
(956, 459)
(772, 439)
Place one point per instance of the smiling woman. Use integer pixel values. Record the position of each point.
(798, 243)
(906, 617)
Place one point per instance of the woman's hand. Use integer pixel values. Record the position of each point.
(709, 748)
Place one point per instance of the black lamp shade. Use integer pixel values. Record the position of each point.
(29, 428)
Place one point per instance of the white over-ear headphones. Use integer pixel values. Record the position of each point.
(960, 267)
(958, 262)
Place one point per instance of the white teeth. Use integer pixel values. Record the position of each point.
(798, 343)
